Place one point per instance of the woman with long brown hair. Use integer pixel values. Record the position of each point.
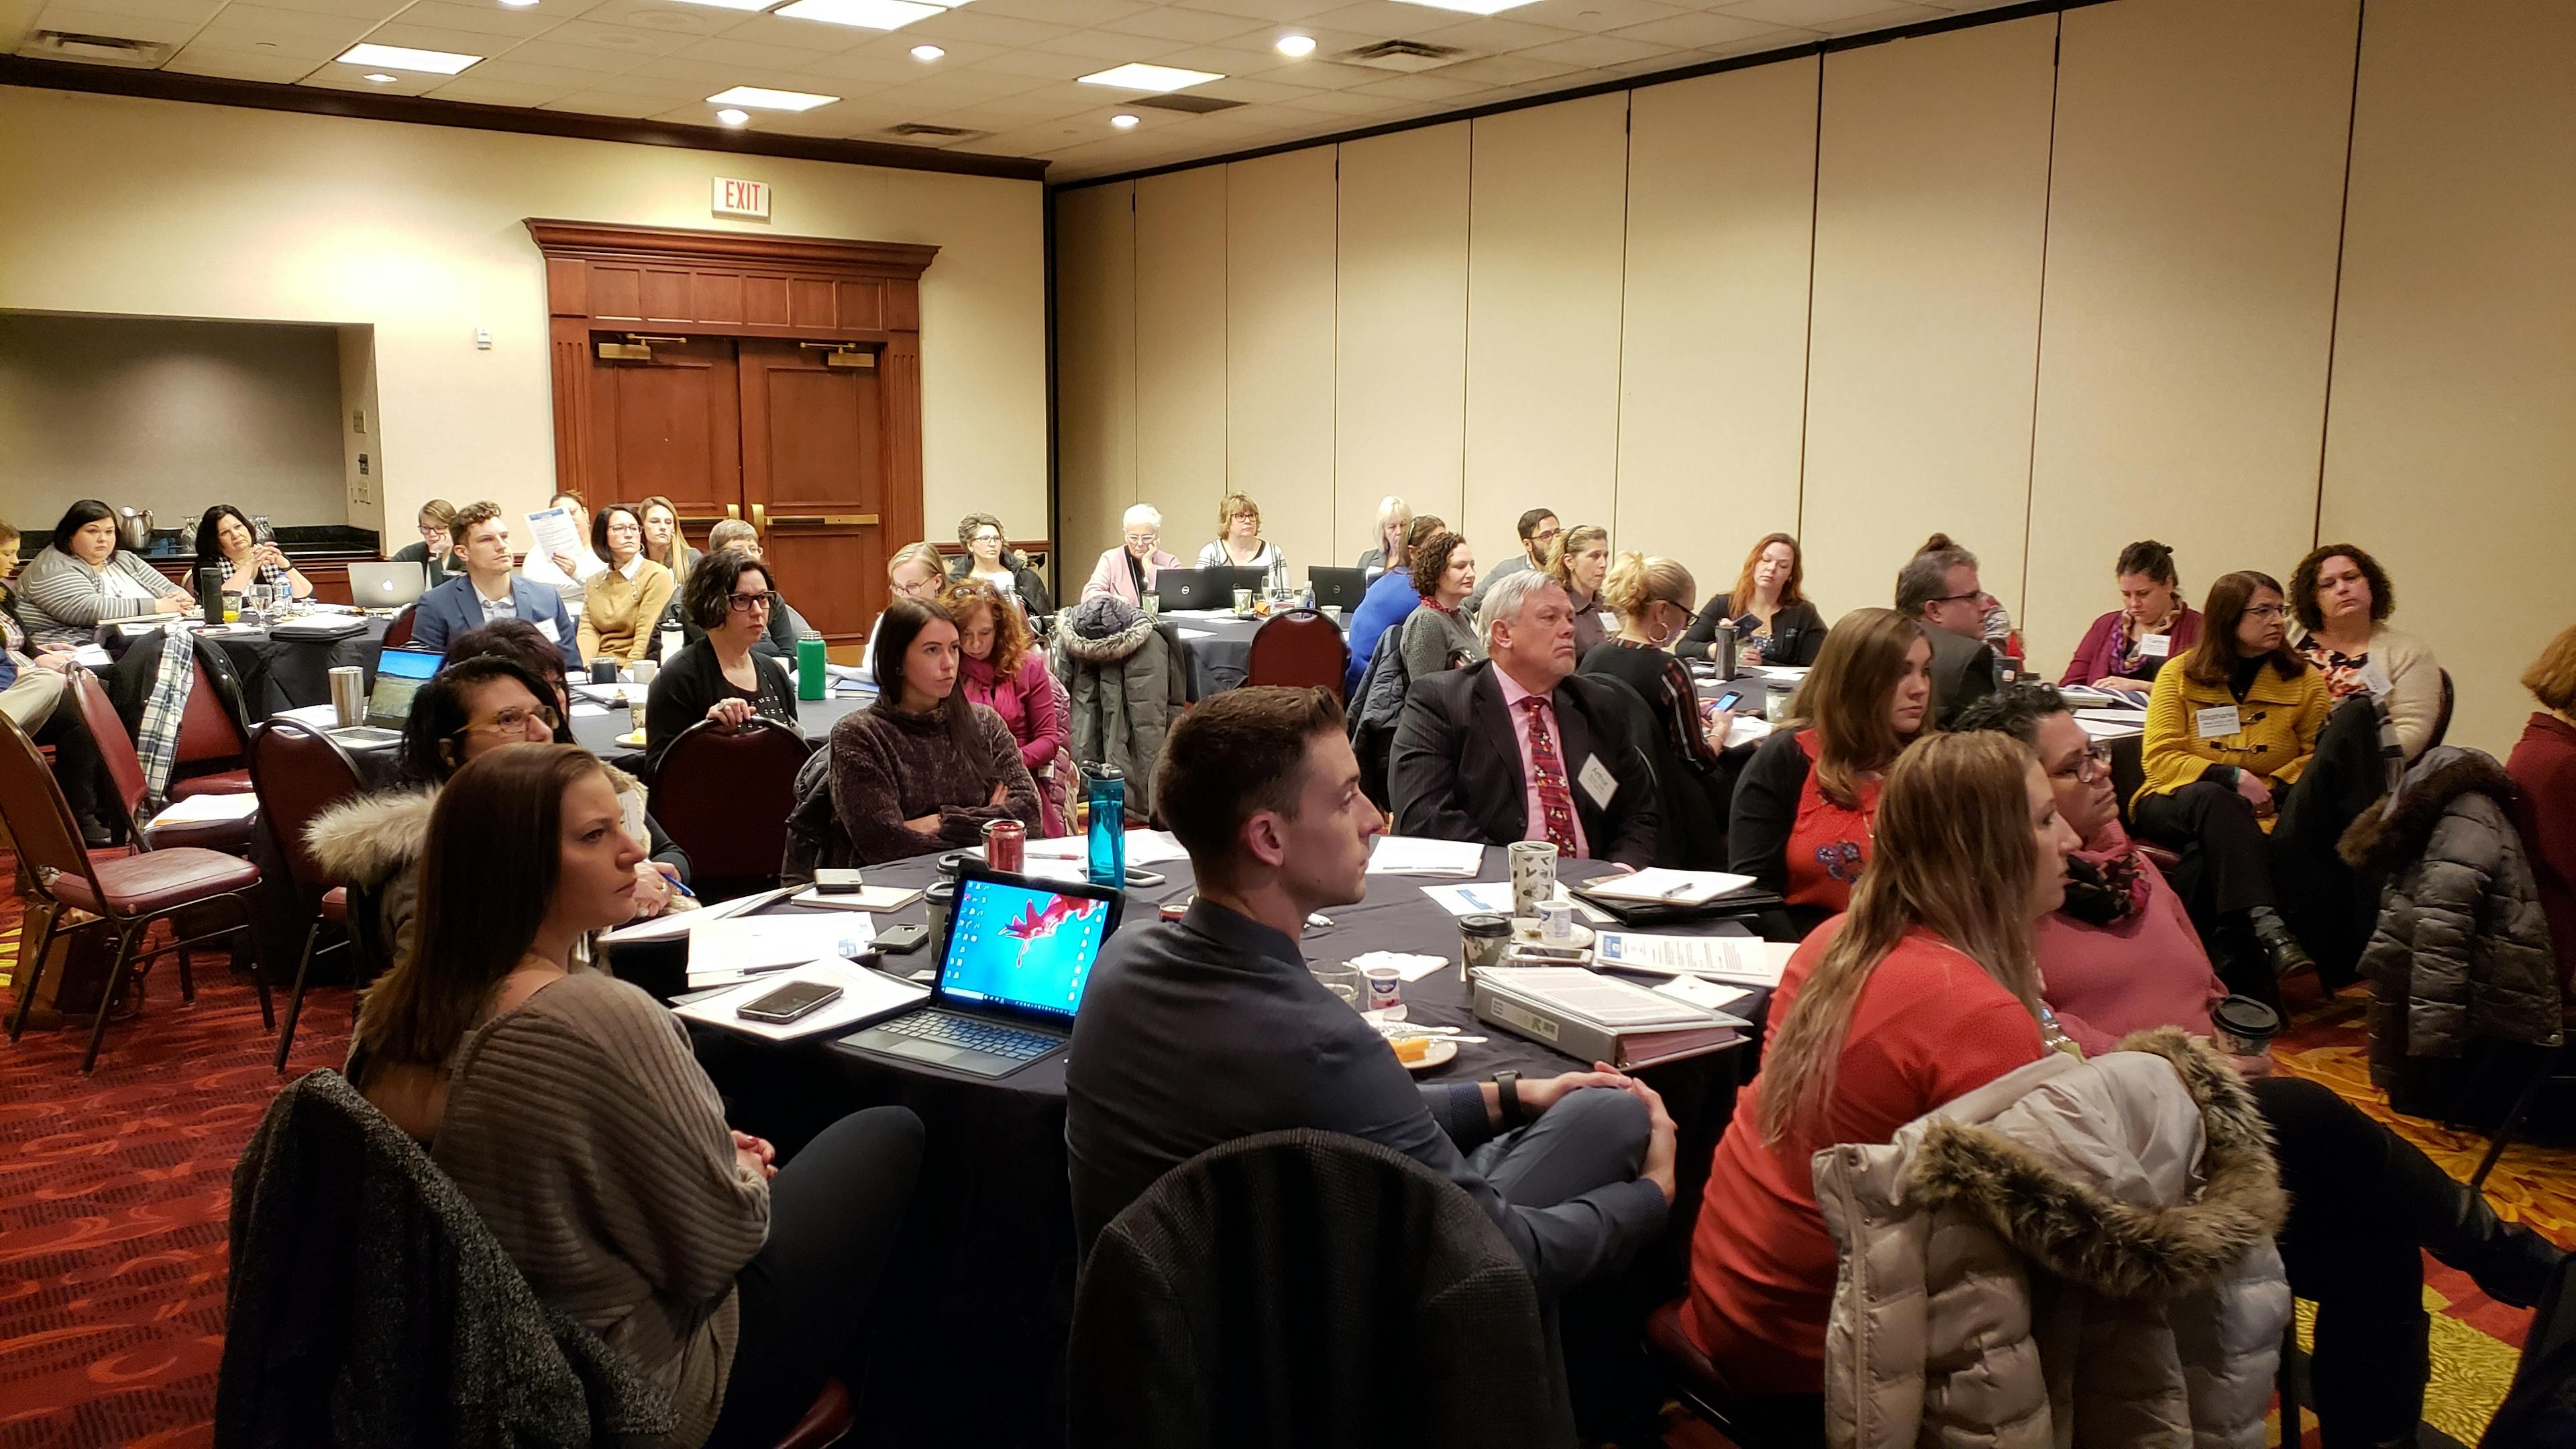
(567, 1107)
(1003, 670)
(2231, 731)
(1769, 596)
(924, 767)
(1800, 824)
(1923, 992)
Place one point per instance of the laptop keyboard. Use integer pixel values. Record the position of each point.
(982, 1036)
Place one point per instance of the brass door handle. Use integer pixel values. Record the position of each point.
(760, 518)
(842, 520)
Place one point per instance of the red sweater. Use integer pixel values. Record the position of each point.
(1930, 1026)
(2543, 764)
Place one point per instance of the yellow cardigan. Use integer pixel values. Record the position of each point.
(617, 613)
(2279, 720)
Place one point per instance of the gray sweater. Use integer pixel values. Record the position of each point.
(1432, 634)
(62, 600)
(584, 1133)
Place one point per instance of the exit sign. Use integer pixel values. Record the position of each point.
(741, 198)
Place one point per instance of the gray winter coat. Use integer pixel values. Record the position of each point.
(2462, 947)
(1128, 680)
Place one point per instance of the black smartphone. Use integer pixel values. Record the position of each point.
(903, 940)
(788, 1002)
(1729, 700)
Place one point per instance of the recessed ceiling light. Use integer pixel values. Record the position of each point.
(380, 78)
(764, 99)
(403, 57)
(1123, 121)
(866, 14)
(1297, 46)
(732, 117)
(1135, 77)
(1472, 7)
(518, 4)
(927, 52)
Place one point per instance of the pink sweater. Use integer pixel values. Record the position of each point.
(1026, 702)
(2105, 982)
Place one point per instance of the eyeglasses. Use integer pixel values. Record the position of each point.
(988, 536)
(1978, 597)
(745, 603)
(1546, 535)
(514, 721)
(2091, 765)
(627, 529)
(1142, 539)
(2267, 611)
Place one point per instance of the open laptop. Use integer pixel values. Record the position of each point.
(387, 585)
(399, 675)
(1019, 952)
(1193, 589)
(1339, 587)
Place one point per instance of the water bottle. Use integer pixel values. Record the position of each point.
(1726, 650)
(813, 677)
(1106, 791)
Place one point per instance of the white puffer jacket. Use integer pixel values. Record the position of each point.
(2078, 1253)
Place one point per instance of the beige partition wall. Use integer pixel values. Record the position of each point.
(1931, 206)
(2194, 206)
(2451, 440)
(1095, 374)
(1544, 254)
(1713, 370)
(1400, 346)
(1279, 350)
(1180, 352)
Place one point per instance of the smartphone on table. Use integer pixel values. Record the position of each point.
(788, 1002)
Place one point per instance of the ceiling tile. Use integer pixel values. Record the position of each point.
(1420, 88)
(603, 103)
(661, 15)
(1598, 50)
(860, 66)
(1495, 36)
(725, 50)
(1240, 88)
(971, 24)
(1270, 10)
(1109, 45)
(1593, 16)
(195, 12)
(239, 27)
(206, 60)
(1003, 113)
(129, 27)
(807, 36)
(1173, 22)
(668, 87)
(1387, 20)
(518, 24)
(1042, 64)
(494, 93)
(425, 37)
(546, 50)
(362, 9)
(1884, 19)
(1811, 14)
(715, 75)
(1347, 103)
(1063, 12)
(510, 70)
(1505, 70)
(1709, 30)
(619, 39)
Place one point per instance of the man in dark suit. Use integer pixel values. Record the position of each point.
(1202, 1030)
(489, 590)
(1520, 747)
(1938, 588)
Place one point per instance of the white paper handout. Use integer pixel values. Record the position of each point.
(1481, 898)
(866, 996)
(1708, 996)
(1144, 847)
(1656, 885)
(740, 945)
(1410, 855)
(678, 924)
(1410, 966)
(206, 810)
(1746, 728)
(550, 532)
(1741, 959)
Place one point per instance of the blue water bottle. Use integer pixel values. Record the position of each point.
(1106, 790)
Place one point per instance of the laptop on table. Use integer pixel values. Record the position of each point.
(399, 675)
(387, 585)
(1342, 588)
(1010, 977)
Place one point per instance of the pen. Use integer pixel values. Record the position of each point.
(681, 886)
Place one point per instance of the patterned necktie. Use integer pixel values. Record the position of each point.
(1547, 770)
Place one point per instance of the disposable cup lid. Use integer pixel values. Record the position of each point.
(2246, 1017)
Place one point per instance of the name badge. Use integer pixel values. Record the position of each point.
(2217, 720)
(2155, 646)
(547, 628)
(1597, 782)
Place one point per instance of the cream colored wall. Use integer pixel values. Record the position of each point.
(2047, 285)
(160, 208)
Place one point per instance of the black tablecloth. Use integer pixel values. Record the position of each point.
(1219, 647)
(966, 1343)
(282, 674)
(599, 733)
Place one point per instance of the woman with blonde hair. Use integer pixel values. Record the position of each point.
(1653, 597)
(1580, 562)
(664, 543)
(1000, 667)
(1394, 516)
(1775, 624)
(1924, 991)
(1801, 820)
(915, 572)
(1238, 543)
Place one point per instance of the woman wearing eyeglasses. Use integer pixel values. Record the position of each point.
(2229, 734)
(719, 677)
(1654, 598)
(475, 705)
(622, 601)
(990, 557)
(1128, 570)
(436, 550)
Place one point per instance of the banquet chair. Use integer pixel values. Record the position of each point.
(128, 893)
(300, 772)
(127, 790)
(398, 633)
(1299, 647)
(212, 755)
(1695, 1382)
(724, 794)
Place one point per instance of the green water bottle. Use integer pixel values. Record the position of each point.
(811, 678)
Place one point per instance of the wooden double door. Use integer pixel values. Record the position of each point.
(783, 434)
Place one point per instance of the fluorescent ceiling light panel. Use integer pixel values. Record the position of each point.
(760, 98)
(403, 57)
(1134, 77)
(866, 14)
(1472, 7)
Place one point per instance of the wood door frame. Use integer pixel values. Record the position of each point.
(602, 277)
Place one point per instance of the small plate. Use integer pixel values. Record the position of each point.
(1525, 931)
(632, 740)
(1443, 1052)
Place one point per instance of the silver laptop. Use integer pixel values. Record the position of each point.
(387, 585)
(1011, 974)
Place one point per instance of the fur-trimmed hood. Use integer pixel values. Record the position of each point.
(2083, 1234)
(1104, 629)
(2395, 829)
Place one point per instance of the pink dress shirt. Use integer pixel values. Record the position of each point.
(1536, 827)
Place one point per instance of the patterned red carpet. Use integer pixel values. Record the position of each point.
(114, 1191)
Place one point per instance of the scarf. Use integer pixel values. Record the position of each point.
(2106, 880)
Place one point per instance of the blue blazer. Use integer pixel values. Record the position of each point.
(452, 608)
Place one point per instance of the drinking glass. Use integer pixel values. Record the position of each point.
(1342, 981)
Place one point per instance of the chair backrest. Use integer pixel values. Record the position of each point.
(298, 772)
(209, 736)
(40, 820)
(1255, 1294)
(724, 796)
(398, 633)
(1299, 647)
(2442, 721)
(115, 747)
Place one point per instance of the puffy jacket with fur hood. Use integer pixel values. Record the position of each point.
(1128, 681)
(2076, 1253)
(2462, 946)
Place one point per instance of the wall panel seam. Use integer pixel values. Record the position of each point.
(2039, 321)
(1807, 359)
(1619, 356)
(2334, 307)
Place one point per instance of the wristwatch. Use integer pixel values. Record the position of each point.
(1507, 1085)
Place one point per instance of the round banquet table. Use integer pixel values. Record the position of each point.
(1219, 646)
(600, 733)
(966, 1341)
(282, 674)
